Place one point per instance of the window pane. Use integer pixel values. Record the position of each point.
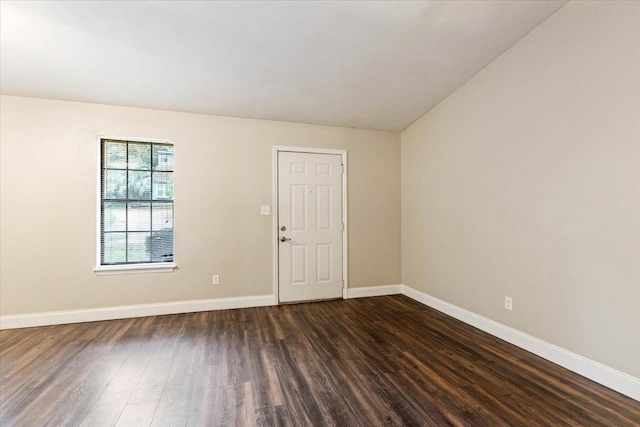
(115, 216)
(161, 245)
(139, 156)
(137, 247)
(163, 157)
(115, 155)
(162, 216)
(163, 185)
(139, 217)
(114, 248)
(137, 226)
(139, 185)
(115, 184)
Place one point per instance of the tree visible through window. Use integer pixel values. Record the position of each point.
(136, 202)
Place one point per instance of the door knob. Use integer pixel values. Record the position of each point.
(284, 239)
(283, 228)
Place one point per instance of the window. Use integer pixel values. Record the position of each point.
(136, 203)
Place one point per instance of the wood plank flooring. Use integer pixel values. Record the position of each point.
(365, 362)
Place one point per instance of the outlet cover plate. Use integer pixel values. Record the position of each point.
(508, 303)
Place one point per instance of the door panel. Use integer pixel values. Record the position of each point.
(323, 262)
(299, 264)
(323, 208)
(298, 207)
(310, 210)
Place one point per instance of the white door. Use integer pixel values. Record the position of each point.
(310, 226)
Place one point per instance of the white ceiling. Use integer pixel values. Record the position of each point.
(373, 65)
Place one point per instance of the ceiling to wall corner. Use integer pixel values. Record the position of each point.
(371, 65)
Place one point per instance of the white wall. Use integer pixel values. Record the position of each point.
(223, 175)
(526, 182)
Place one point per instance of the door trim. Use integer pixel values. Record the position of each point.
(345, 253)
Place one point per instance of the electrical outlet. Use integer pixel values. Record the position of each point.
(508, 303)
(216, 279)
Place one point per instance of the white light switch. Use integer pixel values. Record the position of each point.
(265, 210)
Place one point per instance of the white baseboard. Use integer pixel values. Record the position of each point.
(141, 310)
(602, 374)
(374, 291)
(129, 311)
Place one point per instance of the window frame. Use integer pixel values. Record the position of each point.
(146, 267)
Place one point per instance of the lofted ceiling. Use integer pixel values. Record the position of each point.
(363, 64)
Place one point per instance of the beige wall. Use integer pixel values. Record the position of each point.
(526, 182)
(224, 169)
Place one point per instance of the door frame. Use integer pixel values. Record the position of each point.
(275, 232)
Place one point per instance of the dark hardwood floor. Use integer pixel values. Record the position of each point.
(365, 362)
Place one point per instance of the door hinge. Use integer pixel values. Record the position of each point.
(343, 226)
(342, 168)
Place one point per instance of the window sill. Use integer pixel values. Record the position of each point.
(105, 270)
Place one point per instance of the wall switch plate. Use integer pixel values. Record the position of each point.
(265, 210)
(508, 303)
(216, 279)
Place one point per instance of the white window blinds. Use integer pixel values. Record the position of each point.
(136, 202)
